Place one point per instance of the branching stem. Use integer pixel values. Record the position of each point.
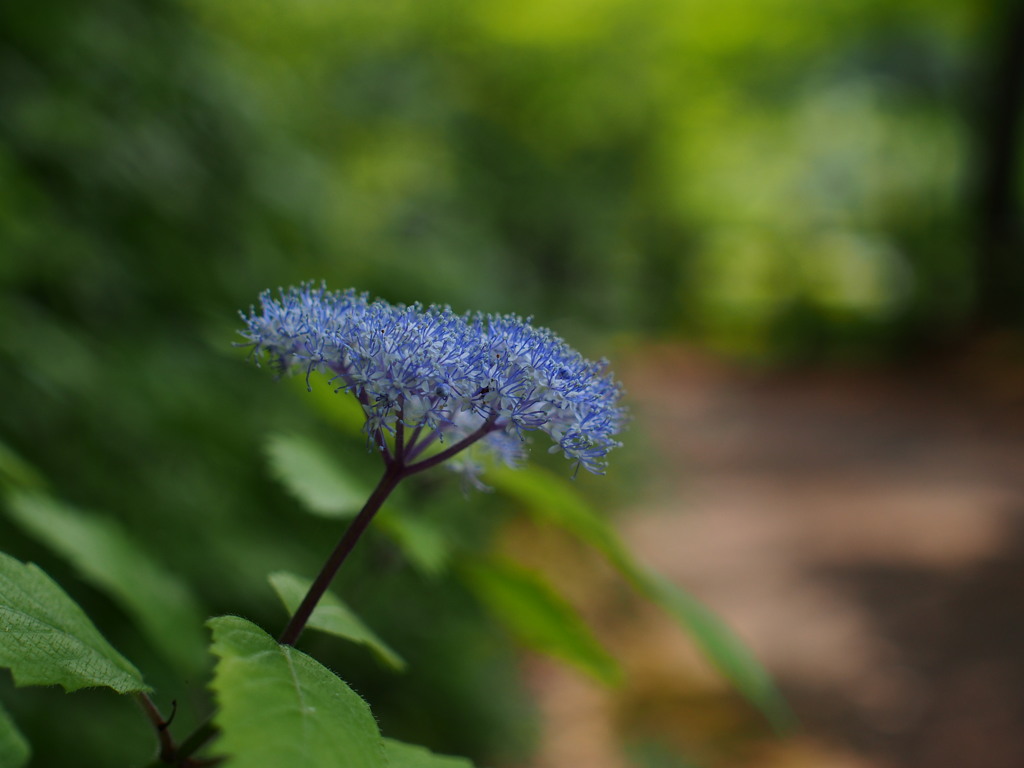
(168, 749)
(396, 469)
(485, 429)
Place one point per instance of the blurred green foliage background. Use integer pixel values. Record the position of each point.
(783, 180)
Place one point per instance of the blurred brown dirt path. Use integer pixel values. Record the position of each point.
(862, 532)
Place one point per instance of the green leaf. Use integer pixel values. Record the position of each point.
(46, 639)
(279, 707)
(14, 750)
(324, 488)
(401, 755)
(550, 499)
(540, 617)
(728, 653)
(331, 615)
(340, 408)
(420, 539)
(15, 472)
(109, 560)
(313, 477)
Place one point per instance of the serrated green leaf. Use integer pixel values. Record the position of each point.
(14, 749)
(331, 615)
(401, 755)
(550, 499)
(541, 618)
(313, 477)
(46, 639)
(279, 707)
(108, 559)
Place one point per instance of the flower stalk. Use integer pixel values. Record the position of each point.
(389, 480)
(396, 470)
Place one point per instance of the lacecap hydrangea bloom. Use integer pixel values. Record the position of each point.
(427, 375)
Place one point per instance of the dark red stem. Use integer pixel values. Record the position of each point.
(392, 475)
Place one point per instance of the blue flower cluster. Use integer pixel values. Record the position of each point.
(425, 374)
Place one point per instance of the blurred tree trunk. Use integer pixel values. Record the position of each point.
(1000, 263)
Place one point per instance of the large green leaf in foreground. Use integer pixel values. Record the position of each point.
(107, 557)
(14, 750)
(279, 707)
(402, 755)
(46, 639)
(552, 500)
(331, 615)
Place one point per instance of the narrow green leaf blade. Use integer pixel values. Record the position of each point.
(550, 499)
(540, 617)
(46, 639)
(279, 707)
(15, 472)
(332, 616)
(313, 477)
(14, 750)
(401, 755)
(722, 647)
(108, 559)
